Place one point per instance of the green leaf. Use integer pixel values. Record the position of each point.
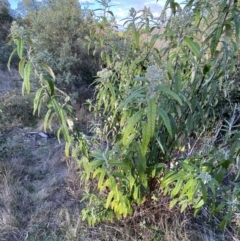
(101, 179)
(220, 207)
(134, 95)
(160, 144)
(37, 99)
(67, 148)
(153, 40)
(119, 175)
(197, 18)
(199, 204)
(137, 38)
(237, 25)
(173, 203)
(191, 191)
(46, 118)
(111, 13)
(166, 120)
(10, 58)
(220, 174)
(188, 166)
(170, 64)
(145, 138)
(170, 179)
(177, 188)
(113, 96)
(183, 205)
(20, 48)
(58, 110)
(109, 199)
(21, 67)
(131, 138)
(227, 218)
(64, 129)
(135, 192)
(143, 79)
(177, 78)
(167, 91)
(187, 185)
(48, 69)
(118, 163)
(151, 115)
(190, 123)
(95, 164)
(193, 46)
(50, 84)
(204, 191)
(140, 162)
(26, 75)
(96, 172)
(129, 129)
(215, 40)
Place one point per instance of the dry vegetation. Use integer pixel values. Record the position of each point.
(40, 190)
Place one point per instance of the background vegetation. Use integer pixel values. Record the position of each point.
(164, 141)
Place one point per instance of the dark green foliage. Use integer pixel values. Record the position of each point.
(59, 29)
(5, 23)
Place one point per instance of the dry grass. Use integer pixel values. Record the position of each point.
(156, 222)
(35, 199)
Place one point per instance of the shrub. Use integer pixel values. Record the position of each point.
(59, 28)
(151, 102)
(154, 107)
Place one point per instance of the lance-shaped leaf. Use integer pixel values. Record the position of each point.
(26, 79)
(37, 99)
(58, 110)
(46, 118)
(151, 115)
(145, 138)
(10, 58)
(167, 91)
(109, 198)
(173, 176)
(113, 96)
(21, 67)
(129, 129)
(48, 69)
(153, 40)
(50, 84)
(138, 94)
(20, 48)
(193, 46)
(137, 39)
(237, 25)
(166, 120)
(215, 40)
(177, 187)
